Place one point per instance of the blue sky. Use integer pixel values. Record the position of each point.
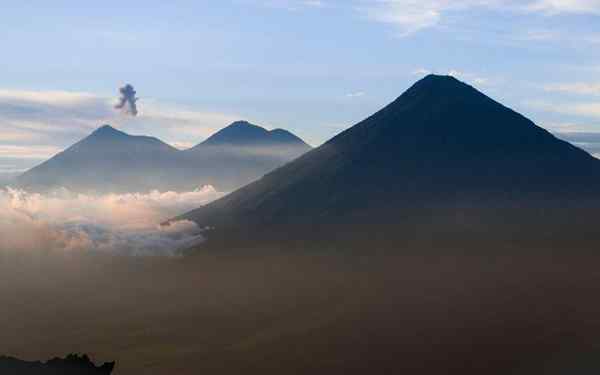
(313, 67)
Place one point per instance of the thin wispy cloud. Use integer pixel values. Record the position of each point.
(8, 135)
(10, 168)
(411, 16)
(590, 110)
(293, 5)
(581, 109)
(567, 127)
(539, 35)
(314, 3)
(579, 88)
(28, 152)
(356, 94)
(421, 72)
(407, 16)
(469, 77)
(65, 99)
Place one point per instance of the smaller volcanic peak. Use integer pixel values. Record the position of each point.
(109, 160)
(239, 132)
(106, 160)
(119, 142)
(107, 131)
(243, 133)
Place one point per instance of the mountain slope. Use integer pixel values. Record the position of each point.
(241, 153)
(243, 133)
(109, 160)
(106, 160)
(443, 157)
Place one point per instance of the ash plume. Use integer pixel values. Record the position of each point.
(128, 100)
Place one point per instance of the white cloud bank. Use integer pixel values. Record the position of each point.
(117, 223)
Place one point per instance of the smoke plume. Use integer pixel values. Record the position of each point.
(128, 100)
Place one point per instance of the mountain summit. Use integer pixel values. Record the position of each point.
(242, 152)
(109, 160)
(106, 140)
(107, 131)
(442, 158)
(246, 134)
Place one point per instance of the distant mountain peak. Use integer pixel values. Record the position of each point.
(244, 133)
(241, 123)
(110, 160)
(107, 131)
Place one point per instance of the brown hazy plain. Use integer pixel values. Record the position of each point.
(306, 314)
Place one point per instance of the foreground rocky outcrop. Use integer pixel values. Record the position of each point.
(72, 364)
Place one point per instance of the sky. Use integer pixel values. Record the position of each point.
(314, 67)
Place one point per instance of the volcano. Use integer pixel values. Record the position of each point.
(243, 133)
(442, 164)
(111, 161)
(108, 160)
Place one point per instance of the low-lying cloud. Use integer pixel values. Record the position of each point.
(116, 223)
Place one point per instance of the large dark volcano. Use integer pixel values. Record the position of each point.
(443, 162)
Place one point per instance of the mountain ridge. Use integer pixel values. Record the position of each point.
(244, 133)
(110, 160)
(442, 153)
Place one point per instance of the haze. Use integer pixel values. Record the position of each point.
(300, 187)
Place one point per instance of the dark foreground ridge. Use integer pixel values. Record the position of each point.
(72, 364)
(443, 162)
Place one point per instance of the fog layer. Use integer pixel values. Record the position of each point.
(116, 223)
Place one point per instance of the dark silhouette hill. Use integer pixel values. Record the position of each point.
(70, 365)
(443, 162)
(109, 160)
